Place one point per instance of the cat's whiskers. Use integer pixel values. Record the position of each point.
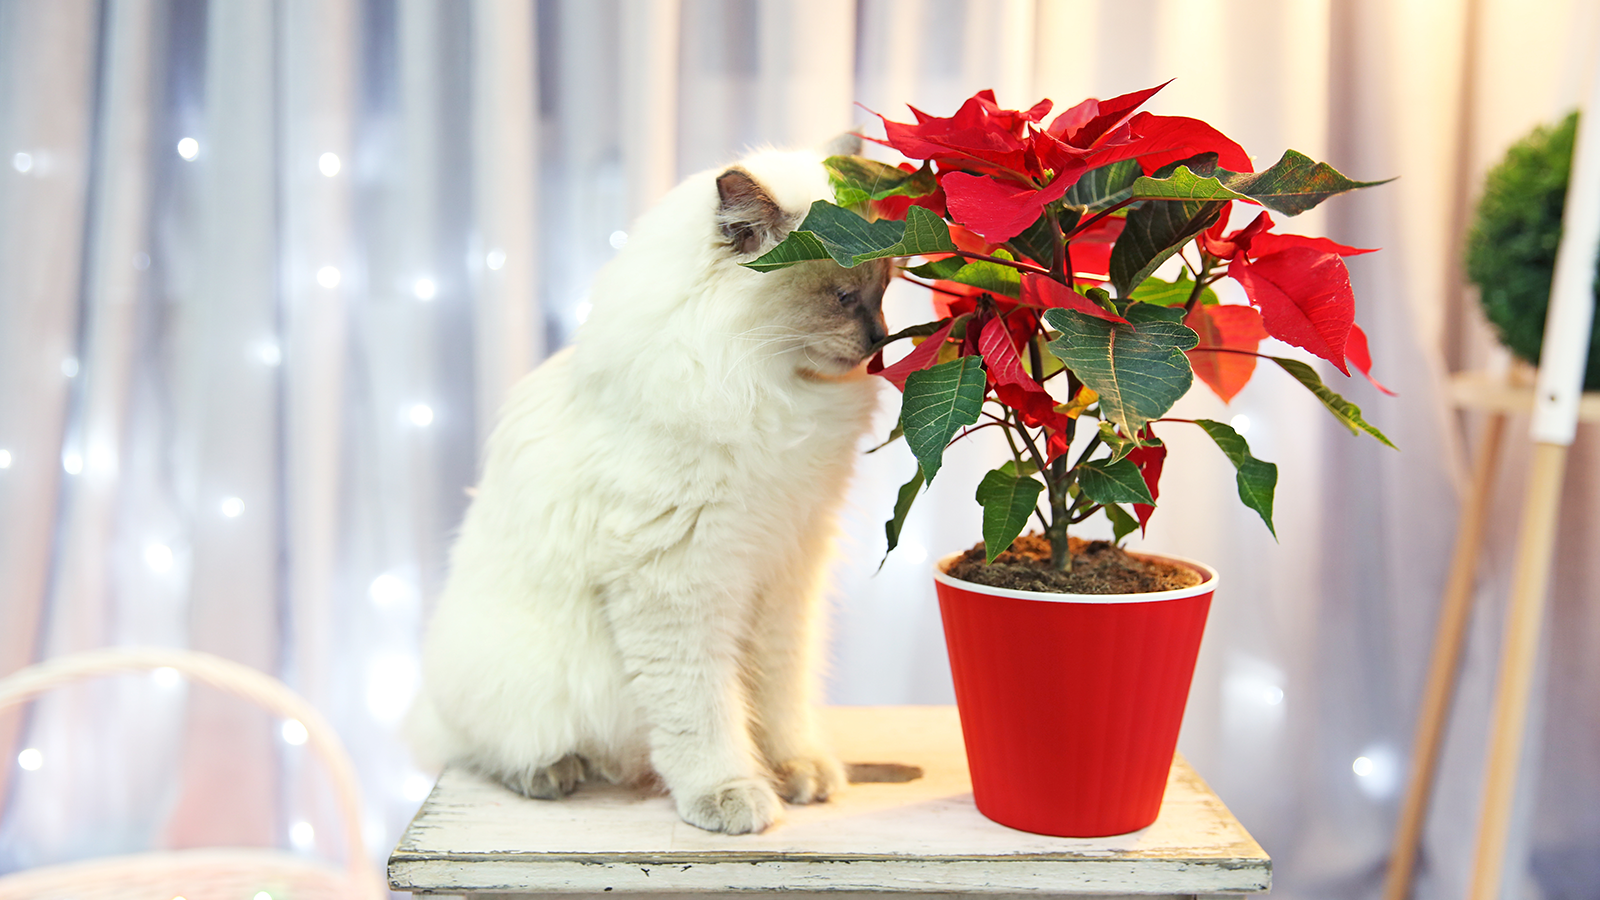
(782, 336)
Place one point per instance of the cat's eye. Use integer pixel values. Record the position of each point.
(849, 298)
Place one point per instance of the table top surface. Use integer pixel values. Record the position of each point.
(913, 836)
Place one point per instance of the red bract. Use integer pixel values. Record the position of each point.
(921, 357)
(1229, 338)
(1305, 299)
(1015, 388)
(1091, 249)
(1001, 210)
(1149, 459)
(1159, 140)
(1046, 292)
(980, 137)
(1272, 243)
(1084, 125)
(1356, 351)
(1212, 241)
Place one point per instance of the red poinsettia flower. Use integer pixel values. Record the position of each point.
(999, 169)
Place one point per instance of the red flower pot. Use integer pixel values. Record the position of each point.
(1071, 703)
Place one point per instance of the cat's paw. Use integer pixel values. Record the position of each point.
(551, 782)
(741, 806)
(809, 779)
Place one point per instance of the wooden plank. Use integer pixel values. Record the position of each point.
(1498, 393)
(917, 836)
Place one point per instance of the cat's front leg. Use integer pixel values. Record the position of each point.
(680, 651)
(783, 665)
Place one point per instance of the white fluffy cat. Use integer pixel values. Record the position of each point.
(636, 586)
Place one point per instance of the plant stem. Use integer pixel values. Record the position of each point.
(1013, 263)
(1089, 223)
(1060, 553)
(1206, 261)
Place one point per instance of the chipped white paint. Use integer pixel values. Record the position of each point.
(922, 836)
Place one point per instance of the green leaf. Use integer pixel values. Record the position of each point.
(923, 330)
(1294, 184)
(939, 402)
(1118, 482)
(1183, 184)
(1122, 522)
(1173, 293)
(1120, 446)
(1038, 241)
(1139, 370)
(939, 269)
(1257, 479)
(902, 506)
(831, 231)
(1007, 500)
(1104, 187)
(1346, 412)
(857, 180)
(988, 276)
(1154, 232)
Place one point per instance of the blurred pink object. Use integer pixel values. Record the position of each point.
(210, 872)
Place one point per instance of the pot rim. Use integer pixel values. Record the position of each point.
(1207, 585)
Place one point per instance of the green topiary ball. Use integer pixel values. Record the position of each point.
(1511, 249)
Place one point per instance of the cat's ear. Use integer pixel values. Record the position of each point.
(749, 218)
(847, 144)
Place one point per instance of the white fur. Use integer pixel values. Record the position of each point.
(638, 580)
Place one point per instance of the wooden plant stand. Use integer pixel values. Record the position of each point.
(921, 836)
(1499, 397)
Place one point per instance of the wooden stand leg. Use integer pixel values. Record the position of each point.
(1518, 656)
(1439, 691)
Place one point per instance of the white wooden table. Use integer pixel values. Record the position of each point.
(917, 837)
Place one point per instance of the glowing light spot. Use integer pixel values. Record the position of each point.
(158, 557)
(425, 289)
(22, 162)
(262, 895)
(328, 277)
(328, 164)
(581, 312)
(5, 459)
(421, 415)
(391, 590)
(269, 353)
(294, 732)
(72, 462)
(30, 759)
(618, 239)
(913, 552)
(1273, 696)
(69, 367)
(232, 507)
(1377, 771)
(188, 148)
(1240, 423)
(302, 836)
(141, 261)
(166, 677)
(495, 259)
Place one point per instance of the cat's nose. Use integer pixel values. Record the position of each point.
(877, 330)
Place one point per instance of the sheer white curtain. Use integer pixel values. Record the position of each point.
(248, 377)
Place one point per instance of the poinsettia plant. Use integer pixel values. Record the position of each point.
(1040, 243)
